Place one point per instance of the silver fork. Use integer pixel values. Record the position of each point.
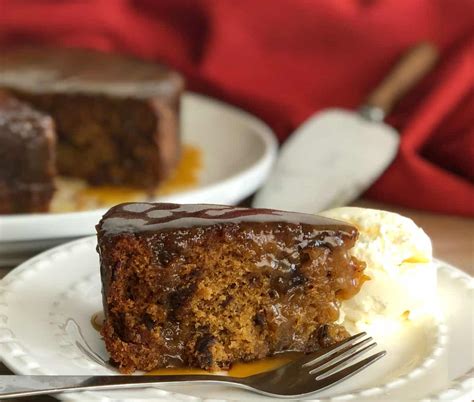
(312, 372)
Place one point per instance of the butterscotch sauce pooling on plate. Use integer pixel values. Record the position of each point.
(76, 195)
(97, 320)
(238, 369)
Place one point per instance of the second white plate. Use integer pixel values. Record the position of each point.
(237, 153)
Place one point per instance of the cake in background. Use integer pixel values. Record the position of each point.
(27, 157)
(402, 279)
(116, 118)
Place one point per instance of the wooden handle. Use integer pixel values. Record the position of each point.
(412, 67)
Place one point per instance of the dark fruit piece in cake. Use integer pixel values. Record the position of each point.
(207, 285)
(27, 167)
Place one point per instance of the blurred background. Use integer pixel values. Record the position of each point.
(285, 60)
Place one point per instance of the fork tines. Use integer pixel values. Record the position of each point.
(328, 364)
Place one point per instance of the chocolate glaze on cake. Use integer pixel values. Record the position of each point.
(27, 157)
(207, 285)
(147, 217)
(117, 118)
(46, 70)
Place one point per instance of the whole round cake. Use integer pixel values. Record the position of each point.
(116, 118)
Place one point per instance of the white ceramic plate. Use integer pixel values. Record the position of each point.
(47, 302)
(237, 151)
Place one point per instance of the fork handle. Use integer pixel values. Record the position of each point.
(17, 386)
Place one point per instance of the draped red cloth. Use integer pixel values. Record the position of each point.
(286, 59)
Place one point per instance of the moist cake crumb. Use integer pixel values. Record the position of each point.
(205, 286)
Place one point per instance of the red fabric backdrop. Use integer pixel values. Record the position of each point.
(285, 59)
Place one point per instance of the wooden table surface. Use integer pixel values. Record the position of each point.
(452, 237)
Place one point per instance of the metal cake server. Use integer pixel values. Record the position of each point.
(337, 154)
(312, 372)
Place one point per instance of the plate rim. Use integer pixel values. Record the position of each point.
(262, 130)
(458, 387)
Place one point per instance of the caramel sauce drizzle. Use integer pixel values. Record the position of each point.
(97, 320)
(239, 369)
(81, 196)
(186, 175)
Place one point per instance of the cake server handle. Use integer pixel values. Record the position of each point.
(18, 386)
(410, 69)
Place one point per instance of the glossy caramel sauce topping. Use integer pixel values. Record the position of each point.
(151, 217)
(76, 195)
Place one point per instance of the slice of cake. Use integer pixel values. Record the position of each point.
(207, 285)
(117, 118)
(27, 168)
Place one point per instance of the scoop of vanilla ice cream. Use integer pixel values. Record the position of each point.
(398, 254)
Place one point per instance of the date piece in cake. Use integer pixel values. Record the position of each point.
(27, 167)
(117, 118)
(207, 285)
